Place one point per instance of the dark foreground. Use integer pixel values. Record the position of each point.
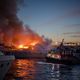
(30, 69)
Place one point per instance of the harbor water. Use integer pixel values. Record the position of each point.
(31, 69)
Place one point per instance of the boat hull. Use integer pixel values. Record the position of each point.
(5, 62)
(62, 61)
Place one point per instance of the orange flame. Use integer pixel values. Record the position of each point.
(22, 47)
(34, 43)
(29, 46)
(24, 39)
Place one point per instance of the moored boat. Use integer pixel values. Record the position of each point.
(5, 62)
(64, 54)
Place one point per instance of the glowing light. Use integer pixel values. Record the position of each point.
(26, 47)
(49, 55)
(20, 46)
(56, 56)
(34, 43)
(23, 47)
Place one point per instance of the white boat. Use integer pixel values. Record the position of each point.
(5, 62)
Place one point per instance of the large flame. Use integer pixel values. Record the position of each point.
(22, 46)
(25, 39)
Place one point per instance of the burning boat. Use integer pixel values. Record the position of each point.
(64, 54)
(19, 39)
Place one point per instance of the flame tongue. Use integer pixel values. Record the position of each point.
(21, 46)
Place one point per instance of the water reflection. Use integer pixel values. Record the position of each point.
(26, 69)
(21, 69)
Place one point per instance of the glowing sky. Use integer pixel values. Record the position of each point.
(55, 19)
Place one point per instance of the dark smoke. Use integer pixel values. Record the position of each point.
(9, 22)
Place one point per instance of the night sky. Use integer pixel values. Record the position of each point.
(55, 19)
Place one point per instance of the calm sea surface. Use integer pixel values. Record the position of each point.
(30, 69)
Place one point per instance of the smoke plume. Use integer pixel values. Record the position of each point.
(12, 31)
(9, 22)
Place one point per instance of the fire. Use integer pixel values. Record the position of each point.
(22, 47)
(34, 43)
(31, 45)
(24, 39)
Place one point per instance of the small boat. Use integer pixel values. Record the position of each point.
(64, 54)
(5, 62)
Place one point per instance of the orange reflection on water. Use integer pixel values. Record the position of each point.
(24, 68)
